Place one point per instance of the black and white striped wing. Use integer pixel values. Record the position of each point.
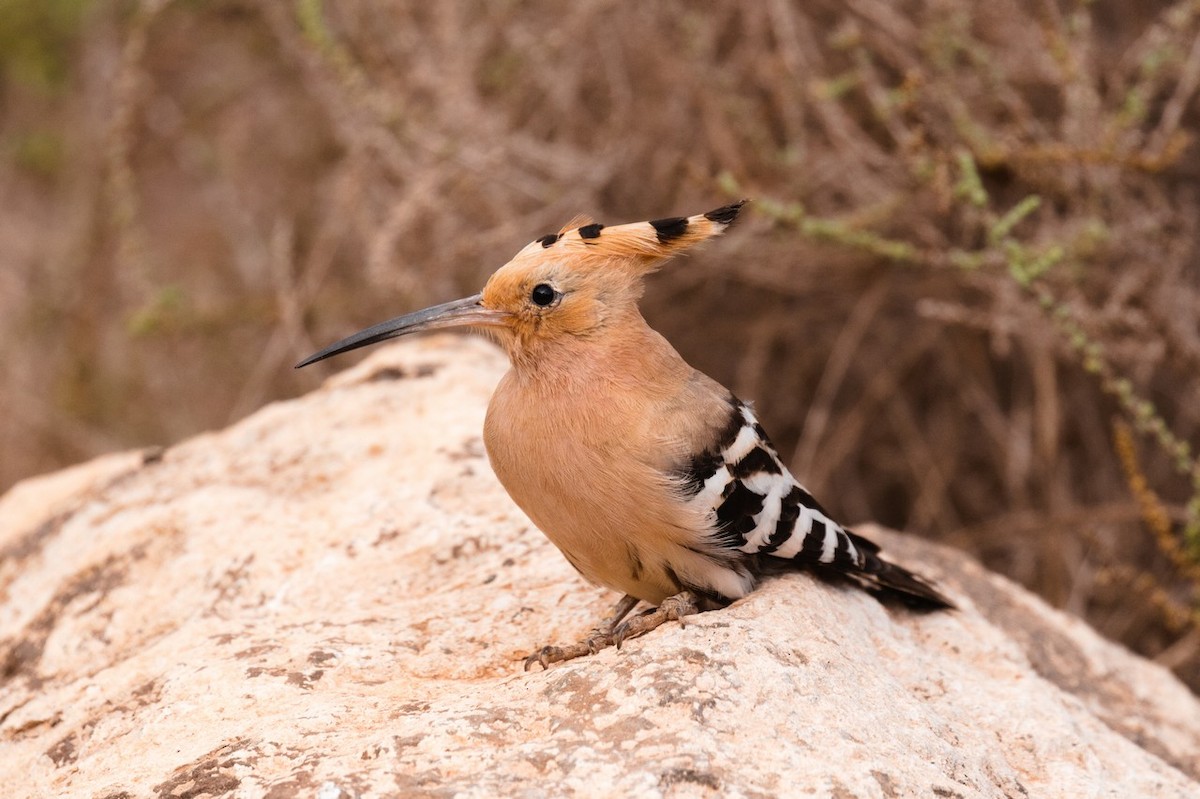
(757, 506)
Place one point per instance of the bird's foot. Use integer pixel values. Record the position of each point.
(673, 608)
(612, 632)
(557, 654)
(599, 638)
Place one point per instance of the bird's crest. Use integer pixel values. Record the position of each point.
(565, 286)
(642, 244)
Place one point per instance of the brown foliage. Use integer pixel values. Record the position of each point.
(975, 240)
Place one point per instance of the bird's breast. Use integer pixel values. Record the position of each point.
(577, 465)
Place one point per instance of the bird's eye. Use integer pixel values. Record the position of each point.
(543, 294)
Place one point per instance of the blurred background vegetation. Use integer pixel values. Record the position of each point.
(966, 300)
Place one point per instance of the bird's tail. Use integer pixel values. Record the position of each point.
(889, 581)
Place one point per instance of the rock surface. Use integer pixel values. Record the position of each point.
(332, 599)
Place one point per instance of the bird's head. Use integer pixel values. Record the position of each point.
(573, 284)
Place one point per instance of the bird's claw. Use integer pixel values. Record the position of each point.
(544, 657)
(548, 655)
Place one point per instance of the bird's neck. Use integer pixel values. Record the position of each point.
(628, 352)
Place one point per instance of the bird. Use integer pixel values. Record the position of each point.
(650, 477)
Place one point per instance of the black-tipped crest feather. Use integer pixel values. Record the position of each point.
(726, 213)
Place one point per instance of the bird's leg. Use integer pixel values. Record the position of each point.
(612, 632)
(673, 608)
(601, 635)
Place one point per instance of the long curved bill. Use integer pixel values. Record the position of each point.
(466, 312)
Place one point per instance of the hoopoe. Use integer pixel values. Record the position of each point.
(651, 478)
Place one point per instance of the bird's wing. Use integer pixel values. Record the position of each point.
(755, 506)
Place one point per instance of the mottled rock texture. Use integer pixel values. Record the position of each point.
(332, 599)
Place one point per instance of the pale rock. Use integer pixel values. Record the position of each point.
(332, 598)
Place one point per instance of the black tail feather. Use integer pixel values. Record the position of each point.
(883, 579)
(887, 580)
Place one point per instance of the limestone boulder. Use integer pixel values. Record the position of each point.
(333, 597)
